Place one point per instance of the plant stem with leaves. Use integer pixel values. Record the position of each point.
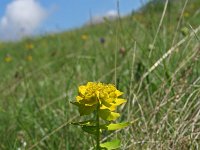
(97, 128)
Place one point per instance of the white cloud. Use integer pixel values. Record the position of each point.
(21, 18)
(110, 15)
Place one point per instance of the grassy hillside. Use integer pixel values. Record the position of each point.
(151, 55)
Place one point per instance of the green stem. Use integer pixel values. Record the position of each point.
(98, 128)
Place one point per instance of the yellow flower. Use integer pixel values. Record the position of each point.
(29, 46)
(106, 95)
(84, 37)
(186, 14)
(8, 58)
(29, 58)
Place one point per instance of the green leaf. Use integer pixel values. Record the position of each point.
(89, 129)
(88, 123)
(117, 126)
(87, 126)
(108, 115)
(83, 109)
(111, 145)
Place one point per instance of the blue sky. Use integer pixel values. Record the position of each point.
(68, 14)
(74, 13)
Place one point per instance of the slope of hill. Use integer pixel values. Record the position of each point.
(151, 55)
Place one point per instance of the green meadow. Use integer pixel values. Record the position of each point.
(152, 55)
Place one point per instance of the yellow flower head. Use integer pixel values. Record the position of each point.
(29, 46)
(84, 37)
(8, 58)
(186, 14)
(106, 95)
(29, 58)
